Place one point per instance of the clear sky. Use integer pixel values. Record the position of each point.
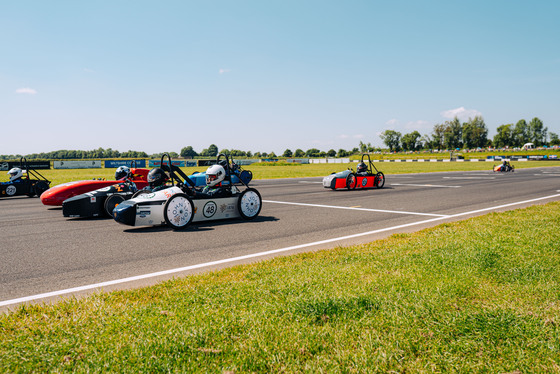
(268, 75)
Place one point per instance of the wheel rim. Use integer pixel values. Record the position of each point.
(250, 204)
(179, 211)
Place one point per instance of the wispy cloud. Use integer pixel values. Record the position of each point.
(392, 122)
(26, 90)
(223, 71)
(461, 113)
(87, 70)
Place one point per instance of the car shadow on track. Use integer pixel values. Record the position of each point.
(200, 226)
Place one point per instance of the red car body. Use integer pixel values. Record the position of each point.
(57, 194)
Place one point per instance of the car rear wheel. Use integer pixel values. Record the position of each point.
(178, 211)
(40, 187)
(379, 180)
(249, 203)
(351, 181)
(111, 202)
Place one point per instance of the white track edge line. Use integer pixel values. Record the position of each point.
(354, 208)
(254, 255)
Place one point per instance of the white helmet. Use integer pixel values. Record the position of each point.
(215, 175)
(15, 173)
(122, 172)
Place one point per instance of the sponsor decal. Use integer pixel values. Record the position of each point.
(11, 190)
(92, 199)
(364, 182)
(227, 208)
(210, 208)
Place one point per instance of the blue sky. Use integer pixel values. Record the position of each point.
(268, 75)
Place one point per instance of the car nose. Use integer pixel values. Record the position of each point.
(125, 213)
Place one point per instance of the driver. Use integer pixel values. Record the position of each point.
(15, 174)
(361, 169)
(215, 175)
(122, 172)
(157, 179)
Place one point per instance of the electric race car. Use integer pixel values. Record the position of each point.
(21, 183)
(504, 167)
(179, 205)
(57, 194)
(101, 202)
(363, 178)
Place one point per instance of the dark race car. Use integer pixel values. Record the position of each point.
(364, 177)
(100, 202)
(24, 181)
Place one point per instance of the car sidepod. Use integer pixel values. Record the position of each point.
(145, 209)
(100, 202)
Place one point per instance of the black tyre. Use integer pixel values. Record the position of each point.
(178, 211)
(111, 202)
(39, 188)
(351, 181)
(249, 204)
(379, 180)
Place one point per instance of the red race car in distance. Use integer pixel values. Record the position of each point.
(366, 176)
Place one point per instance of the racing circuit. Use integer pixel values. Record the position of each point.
(46, 256)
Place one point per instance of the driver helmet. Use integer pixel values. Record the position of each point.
(215, 175)
(362, 168)
(157, 177)
(122, 172)
(15, 173)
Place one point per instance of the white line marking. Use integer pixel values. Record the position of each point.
(469, 177)
(309, 182)
(256, 255)
(353, 208)
(423, 185)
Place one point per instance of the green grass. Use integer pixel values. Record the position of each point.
(282, 170)
(480, 295)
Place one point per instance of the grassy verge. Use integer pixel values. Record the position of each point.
(480, 295)
(267, 171)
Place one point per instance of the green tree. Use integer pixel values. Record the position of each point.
(342, 153)
(392, 139)
(287, 153)
(211, 151)
(504, 136)
(438, 136)
(537, 132)
(188, 152)
(331, 153)
(474, 133)
(299, 153)
(453, 134)
(520, 133)
(313, 152)
(411, 141)
(554, 140)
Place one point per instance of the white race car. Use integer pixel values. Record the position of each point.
(179, 205)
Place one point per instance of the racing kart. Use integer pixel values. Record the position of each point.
(100, 202)
(504, 168)
(57, 194)
(179, 205)
(370, 177)
(32, 183)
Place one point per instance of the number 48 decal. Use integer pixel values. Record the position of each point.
(209, 209)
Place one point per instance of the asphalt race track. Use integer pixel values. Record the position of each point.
(45, 256)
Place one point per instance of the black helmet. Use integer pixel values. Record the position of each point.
(362, 168)
(157, 177)
(122, 172)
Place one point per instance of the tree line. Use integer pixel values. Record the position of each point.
(471, 135)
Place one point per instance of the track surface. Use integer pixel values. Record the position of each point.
(42, 251)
